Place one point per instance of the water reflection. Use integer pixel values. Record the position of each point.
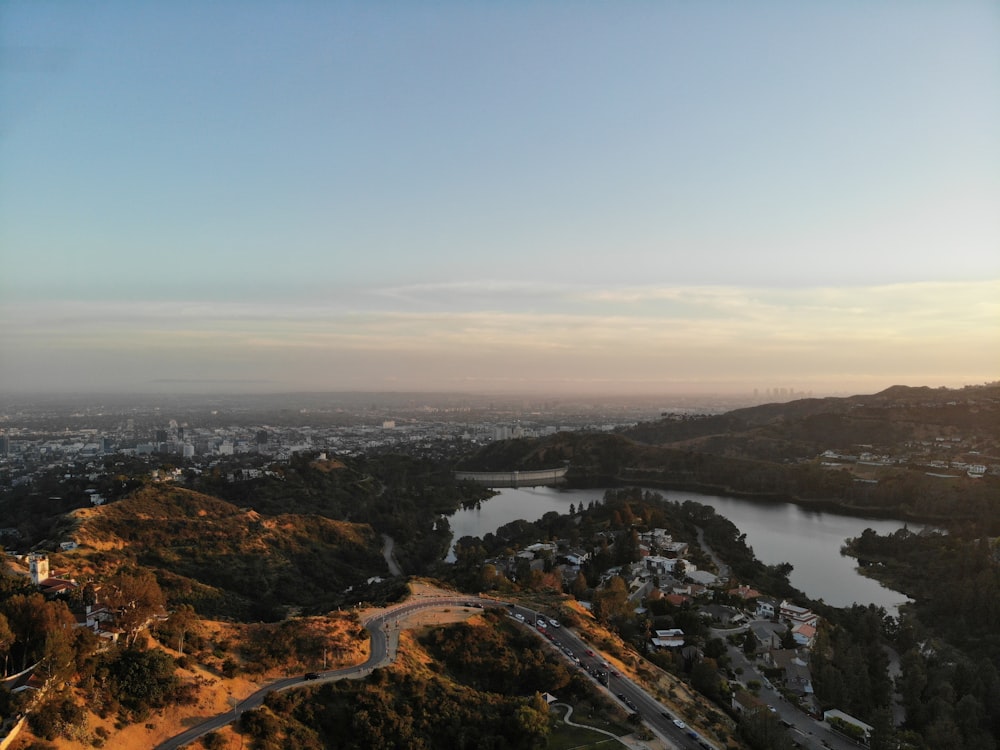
(808, 539)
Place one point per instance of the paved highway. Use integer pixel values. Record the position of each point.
(627, 693)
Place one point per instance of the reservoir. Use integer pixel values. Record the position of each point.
(779, 532)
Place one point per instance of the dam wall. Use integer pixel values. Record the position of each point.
(536, 478)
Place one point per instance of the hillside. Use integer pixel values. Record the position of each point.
(903, 452)
(223, 559)
(804, 428)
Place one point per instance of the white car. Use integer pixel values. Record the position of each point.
(554, 623)
(519, 616)
(680, 724)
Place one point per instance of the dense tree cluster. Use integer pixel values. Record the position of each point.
(497, 658)
(949, 639)
(484, 694)
(850, 663)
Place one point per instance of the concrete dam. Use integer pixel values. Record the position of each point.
(537, 478)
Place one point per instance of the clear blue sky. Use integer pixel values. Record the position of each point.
(592, 196)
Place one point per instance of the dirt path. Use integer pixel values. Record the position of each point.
(390, 558)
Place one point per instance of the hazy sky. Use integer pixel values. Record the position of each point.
(516, 196)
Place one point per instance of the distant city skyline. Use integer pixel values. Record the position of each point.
(499, 198)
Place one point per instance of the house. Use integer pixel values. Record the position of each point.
(658, 565)
(766, 608)
(848, 725)
(804, 634)
(576, 557)
(795, 614)
(639, 589)
(764, 632)
(701, 577)
(24, 680)
(795, 670)
(723, 615)
(673, 638)
(746, 702)
(38, 569)
(744, 592)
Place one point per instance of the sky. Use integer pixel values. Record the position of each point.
(547, 197)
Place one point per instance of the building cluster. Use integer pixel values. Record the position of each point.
(85, 601)
(783, 632)
(945, 457)
(25, 451)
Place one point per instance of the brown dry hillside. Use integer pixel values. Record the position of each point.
(225, 560)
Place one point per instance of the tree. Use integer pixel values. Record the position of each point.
(533, 719)
(579, 587)
(6, 640)
(705, 679)
(41, 629)
(142, 680)
(133, 600)
(749, 643)
(787, 639)
(611, 602)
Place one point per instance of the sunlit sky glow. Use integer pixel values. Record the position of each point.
(549, 197)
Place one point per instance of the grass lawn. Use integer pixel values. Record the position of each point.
(565, 737)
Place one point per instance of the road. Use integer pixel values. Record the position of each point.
(384, 631)
(654, 714)
(802, 728)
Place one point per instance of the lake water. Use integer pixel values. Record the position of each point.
(807, 539)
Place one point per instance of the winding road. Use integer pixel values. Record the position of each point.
(384, 631)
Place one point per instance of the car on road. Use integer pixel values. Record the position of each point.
(311, 676)
(589, 652)
(680, 724)
(554, 623)
(519, 616)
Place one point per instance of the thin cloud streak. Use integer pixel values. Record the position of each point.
(612, 336)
